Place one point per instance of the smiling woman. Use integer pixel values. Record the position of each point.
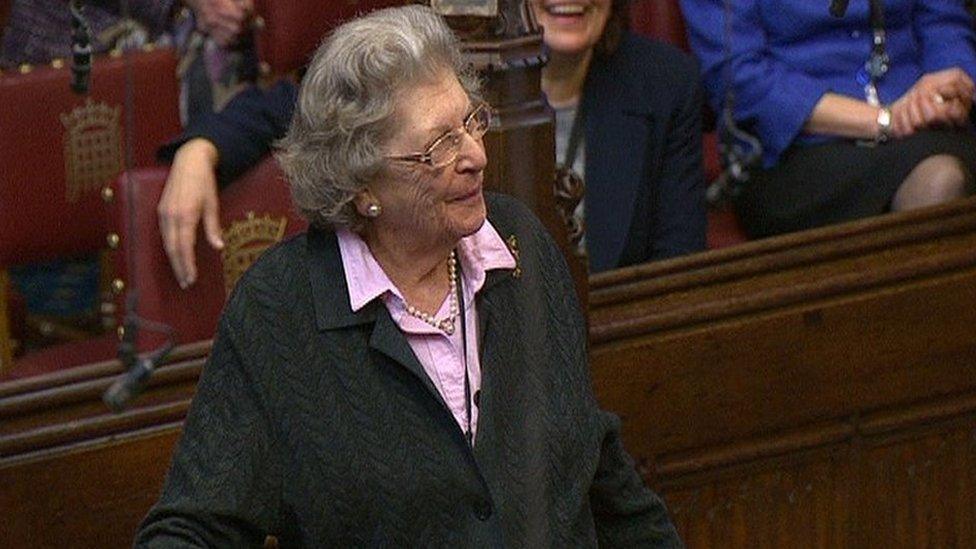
(628, 123)
(401, 375)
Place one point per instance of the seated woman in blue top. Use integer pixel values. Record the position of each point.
(639, 152)
(839, 143)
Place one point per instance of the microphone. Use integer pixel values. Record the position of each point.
(129, 385)
(138, 368)
(81, 50)
(838, 7)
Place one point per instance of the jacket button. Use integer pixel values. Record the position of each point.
(482, 510)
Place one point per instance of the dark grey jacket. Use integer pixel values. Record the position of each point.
(318, 425)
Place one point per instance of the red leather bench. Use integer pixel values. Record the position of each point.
(255, 212)
(289, 32)
(60, 151)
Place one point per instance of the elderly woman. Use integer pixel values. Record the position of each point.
(409, 373)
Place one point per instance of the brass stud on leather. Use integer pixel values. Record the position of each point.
(120, 331)
(57, 63)
(113, 240)
(118, 286)
(108, 194)
(257, 23)
(25, 68)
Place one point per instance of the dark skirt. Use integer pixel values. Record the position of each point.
(827, 183)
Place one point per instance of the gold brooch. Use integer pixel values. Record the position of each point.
(513, 247)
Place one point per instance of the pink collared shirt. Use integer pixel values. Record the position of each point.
(438, 353)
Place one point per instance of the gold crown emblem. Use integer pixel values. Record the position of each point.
(92, 148)
(245, 241)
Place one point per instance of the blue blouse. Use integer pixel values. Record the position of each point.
(786, 54)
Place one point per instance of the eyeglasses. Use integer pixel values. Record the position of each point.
(446, 147)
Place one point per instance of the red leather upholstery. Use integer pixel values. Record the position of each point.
(42, 216)
(45, 212)
(290, 31)
(192, 313)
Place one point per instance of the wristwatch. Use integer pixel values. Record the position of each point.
(884, 124)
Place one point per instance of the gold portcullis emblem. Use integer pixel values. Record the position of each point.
(92, 148)
(245, 240)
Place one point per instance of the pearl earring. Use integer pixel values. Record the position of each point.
(374, 210)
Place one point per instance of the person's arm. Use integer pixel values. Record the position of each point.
(680, 225)
(244, 130)
(843, 116)
(212, 153)
(189, 196)
(626, 513)
(770, 97)
(222, 20)
(946, 36)
(224, 484)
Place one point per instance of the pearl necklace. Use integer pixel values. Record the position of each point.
(446, 325)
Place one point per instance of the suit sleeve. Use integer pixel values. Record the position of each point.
(244, 131)
(223, 485)
(945, 33)
(770, 98)
(680, 225)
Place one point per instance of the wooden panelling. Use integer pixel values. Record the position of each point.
(6, 342)
(89, 495)
(65, 408)
(813, 390)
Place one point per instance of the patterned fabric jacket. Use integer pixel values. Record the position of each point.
(318, 425)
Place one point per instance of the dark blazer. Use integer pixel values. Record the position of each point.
(319, 425)
(644, 178)
(645, 190)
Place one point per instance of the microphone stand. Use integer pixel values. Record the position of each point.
(81, 50)
(138, 368)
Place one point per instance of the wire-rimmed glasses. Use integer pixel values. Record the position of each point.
(445, 149)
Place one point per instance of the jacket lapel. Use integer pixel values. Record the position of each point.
(330, 294)
(390, 341)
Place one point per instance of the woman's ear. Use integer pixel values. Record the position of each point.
(367, 205)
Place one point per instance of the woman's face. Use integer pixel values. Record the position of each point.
(571, 26)
(423, 205)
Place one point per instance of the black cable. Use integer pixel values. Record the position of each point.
(464, 346)
(739, 149)
(138, 369)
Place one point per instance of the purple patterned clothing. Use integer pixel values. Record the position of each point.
(40, 30)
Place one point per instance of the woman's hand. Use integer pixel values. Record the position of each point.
(938, 99)
(222, 20)
(190, 194)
